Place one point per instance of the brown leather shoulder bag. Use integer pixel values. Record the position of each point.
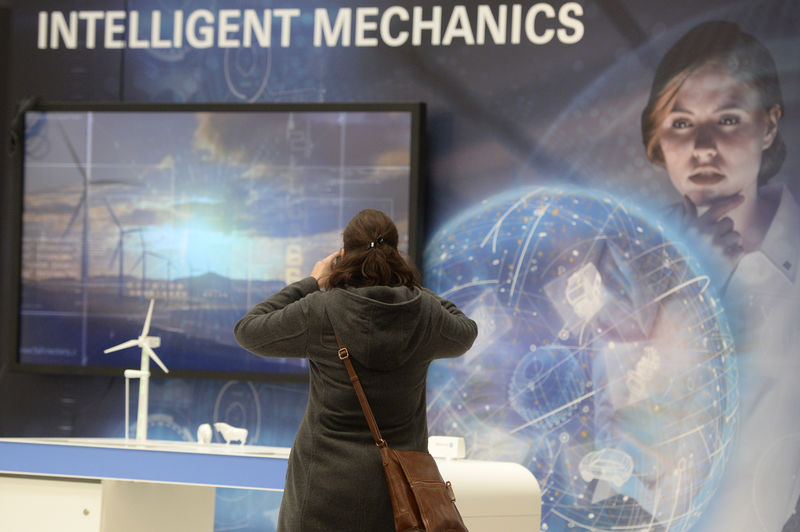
(421, 500)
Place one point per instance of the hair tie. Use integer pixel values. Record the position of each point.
(379, 241)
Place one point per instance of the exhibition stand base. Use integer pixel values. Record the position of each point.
(117, 485)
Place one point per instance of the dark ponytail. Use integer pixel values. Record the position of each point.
(371, 257)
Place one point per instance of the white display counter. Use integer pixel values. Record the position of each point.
(117, 485)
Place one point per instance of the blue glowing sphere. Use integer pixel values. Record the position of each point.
(603, 360)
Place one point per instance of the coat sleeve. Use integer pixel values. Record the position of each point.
(278, 326)
(457, 331)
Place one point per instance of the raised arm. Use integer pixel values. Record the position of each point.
(457, 331)
(277, 326)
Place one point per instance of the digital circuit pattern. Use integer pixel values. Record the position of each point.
(603, 361)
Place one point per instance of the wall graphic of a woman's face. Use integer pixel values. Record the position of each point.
(714, 136)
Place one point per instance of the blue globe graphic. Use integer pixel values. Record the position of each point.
(603, 361)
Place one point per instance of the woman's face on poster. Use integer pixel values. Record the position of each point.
(714, 136)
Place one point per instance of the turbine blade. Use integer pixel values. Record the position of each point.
(123, 345)
(111, 212)
(136, 264)
(73, 218)
(152, 354)
(116, 252)
(146, 328)
(75, 159)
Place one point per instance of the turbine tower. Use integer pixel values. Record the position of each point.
(84, 169)
(119, 250)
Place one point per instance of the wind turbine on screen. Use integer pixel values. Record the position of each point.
(146, 343)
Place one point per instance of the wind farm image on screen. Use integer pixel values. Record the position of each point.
(205, 211)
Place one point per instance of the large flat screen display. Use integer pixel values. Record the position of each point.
(205, 209)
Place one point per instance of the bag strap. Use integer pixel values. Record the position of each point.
(344, 356)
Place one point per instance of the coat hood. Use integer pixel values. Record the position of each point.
(379, 325)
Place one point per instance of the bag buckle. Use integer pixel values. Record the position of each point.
(343, 353)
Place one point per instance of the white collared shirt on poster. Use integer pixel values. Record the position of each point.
(761, 484)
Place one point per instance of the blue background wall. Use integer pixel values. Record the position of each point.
(555, 124)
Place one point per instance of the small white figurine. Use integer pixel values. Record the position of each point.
(204, 433)
(230, 433)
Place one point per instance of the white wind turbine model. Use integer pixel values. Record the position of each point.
(146, 343)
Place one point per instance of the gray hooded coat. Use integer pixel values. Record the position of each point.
(335, 480)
